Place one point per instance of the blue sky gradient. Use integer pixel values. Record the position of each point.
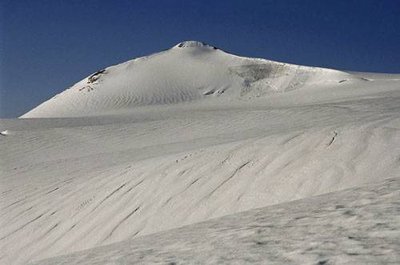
(48, 45)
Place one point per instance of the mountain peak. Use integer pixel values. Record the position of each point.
(193, 44)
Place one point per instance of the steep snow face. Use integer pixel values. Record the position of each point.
(187, 72)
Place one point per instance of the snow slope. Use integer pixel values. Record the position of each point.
(186, 72)
(355, 226)
(144, 159)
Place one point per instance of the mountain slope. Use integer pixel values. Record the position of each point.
(75, 183)
(188, 71)
(356, 226)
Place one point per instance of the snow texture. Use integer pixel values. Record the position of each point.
(188, 135)
(355, 226)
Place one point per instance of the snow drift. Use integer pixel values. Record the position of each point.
(307, 231)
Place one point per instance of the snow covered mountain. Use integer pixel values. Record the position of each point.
(188, 135)
(188, 71)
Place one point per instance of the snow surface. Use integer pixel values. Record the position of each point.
(183, 136)
(355, 226)
(188, 71)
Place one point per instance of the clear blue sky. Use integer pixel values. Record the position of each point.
(46, 46)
